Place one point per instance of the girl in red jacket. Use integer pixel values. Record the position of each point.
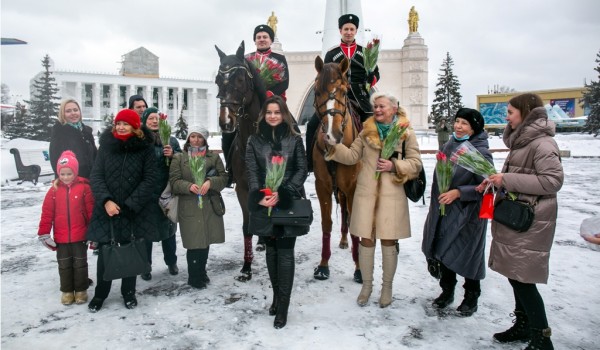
(67, 208)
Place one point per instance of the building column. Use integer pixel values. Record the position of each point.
(165, 99)
(148, 96)
(179, 101)
(193, 107)
(114, 99)
(96, 101)
(79, 93)
(130, 92)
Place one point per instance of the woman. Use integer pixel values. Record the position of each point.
(276, 137)
(122, 182)
(69, 133)
(457, 240)
(199, 227)
(166, 229)
(380, 207)
(533, 171)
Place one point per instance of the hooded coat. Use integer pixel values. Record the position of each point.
(81, 142)
(125, 172)
(533, 170)
(460, 234)
(267, 142)
(380, 207)
(199, 227)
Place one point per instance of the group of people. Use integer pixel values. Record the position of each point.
(112, 192)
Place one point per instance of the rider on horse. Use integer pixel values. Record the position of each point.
(357, 76)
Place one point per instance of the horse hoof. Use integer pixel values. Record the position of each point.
(344, 245)
(358, 276)
(260, 247)
(321, 273)
(246, 273)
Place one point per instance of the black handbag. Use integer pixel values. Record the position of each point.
(124, 259)
(514, 214)
(299, 214)
(216, 202)
(415, 188)
(434, 268)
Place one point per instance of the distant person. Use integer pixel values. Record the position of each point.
(123, 182)
(138, 104)
(69, 133)
(533, 171)
(276, 136)
(358, 77)
(66, 211)
(198, 227)
(443, 133)
(166, 229)
(380, 207)
(457, 239)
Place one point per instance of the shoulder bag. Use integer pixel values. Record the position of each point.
(299, 214)
(124, 259)
(415, 188)
(169, 203)
(514, 214)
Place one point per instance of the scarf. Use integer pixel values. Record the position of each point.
(78, 125)
(384, 129)
(122, 137)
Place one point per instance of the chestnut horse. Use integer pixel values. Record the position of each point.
(241, 95)
(332, 106)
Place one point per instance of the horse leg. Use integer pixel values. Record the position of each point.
(345, 220)
(324, 187)
(246, 271)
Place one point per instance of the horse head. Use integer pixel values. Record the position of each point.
(331, 99)
(235, 80)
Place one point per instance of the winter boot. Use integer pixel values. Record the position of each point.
(285, 274)
(389, 262)
(447, 296)
(203, 261)
(469, 304)
(95, 304)
(67, 298)
(130, 300)
(194, 257)
(540, 339)
(81, 297)
(366, 260)
(271, 256)
(518, 332)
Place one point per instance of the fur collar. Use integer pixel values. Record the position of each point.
(132, 144)
(371, 135)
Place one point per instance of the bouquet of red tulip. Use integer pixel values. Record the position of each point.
(164, 131)
(391, 142)
(198, 167)
(444, 169)
(371, 54)
(275, 173)
(269, 70)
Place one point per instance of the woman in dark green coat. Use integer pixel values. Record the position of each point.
(199, 227)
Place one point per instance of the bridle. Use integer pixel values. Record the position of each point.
(237, 110)
(332, 111)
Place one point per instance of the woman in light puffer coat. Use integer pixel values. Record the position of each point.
(534, 172)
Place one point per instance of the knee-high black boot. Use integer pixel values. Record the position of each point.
(286, 266)
(271, 256)
(203, 258)
(194, 257)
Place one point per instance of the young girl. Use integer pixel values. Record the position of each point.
(67, 208)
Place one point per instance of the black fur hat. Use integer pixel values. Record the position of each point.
(264, 28)
(348, 18)
(473, 117)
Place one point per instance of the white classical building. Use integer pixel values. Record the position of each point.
(102, 95)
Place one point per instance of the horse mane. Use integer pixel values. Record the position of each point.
(259, 87)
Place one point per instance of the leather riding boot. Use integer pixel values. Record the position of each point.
(390, 263)
(193, 257)
(540, 339)
(520, 331)
(271, 256)
(285, 274)
(366, 260)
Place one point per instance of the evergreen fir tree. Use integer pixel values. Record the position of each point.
(447, 98)
(42, 108)
(181, 131)
(108, 120)
(591, 98)
(19, 126)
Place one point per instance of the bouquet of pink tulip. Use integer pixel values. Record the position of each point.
(164, 132)
(275, 173)
(371, 54)
(391, 142)
(198, 167)
(468, 157)
(444, 169)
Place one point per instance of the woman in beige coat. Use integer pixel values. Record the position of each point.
(380, 208)
(534, 172)
(199, 227)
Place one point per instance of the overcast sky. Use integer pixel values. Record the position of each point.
(523, 44)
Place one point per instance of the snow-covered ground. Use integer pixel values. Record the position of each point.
(323, 314)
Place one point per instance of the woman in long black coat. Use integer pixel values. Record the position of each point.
(276, 137)
(457, 240)
(123, 183)
(69, 133)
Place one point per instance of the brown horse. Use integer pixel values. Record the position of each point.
(334, 111)
(241, 94)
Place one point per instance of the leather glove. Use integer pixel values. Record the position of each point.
(370, 78)
(93, 245)
(47, 241)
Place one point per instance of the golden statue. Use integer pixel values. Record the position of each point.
(272, 22)
(413, 20)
